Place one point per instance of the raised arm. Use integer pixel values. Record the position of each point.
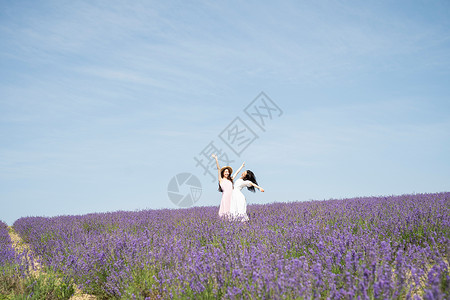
(258, 187)
(218, 167)
(238, 170)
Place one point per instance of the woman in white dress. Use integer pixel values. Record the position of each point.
(238, 205)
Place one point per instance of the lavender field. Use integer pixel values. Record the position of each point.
(363, 248)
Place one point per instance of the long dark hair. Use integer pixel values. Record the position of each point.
(251, 177)
(229, 178)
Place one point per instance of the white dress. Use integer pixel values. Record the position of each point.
(238, 205)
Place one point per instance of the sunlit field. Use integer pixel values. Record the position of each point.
(367, 248)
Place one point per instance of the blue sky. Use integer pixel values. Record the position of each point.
(103, 102)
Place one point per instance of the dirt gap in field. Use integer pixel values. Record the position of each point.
(20, 246)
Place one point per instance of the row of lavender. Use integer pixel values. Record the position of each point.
(19, 277)
(7, 253)
(378, 247)
(12, 264)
